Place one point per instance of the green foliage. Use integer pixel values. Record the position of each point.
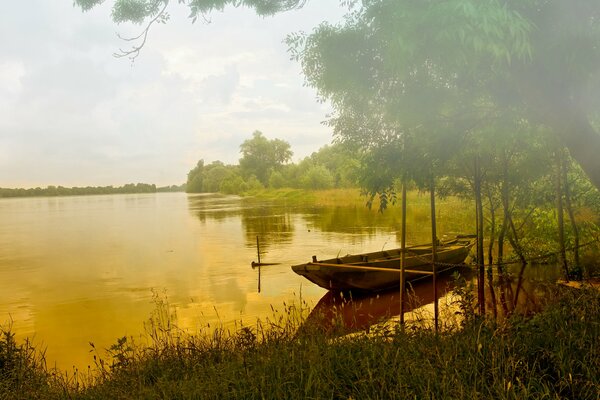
(340, 162)
(233, 184)
(195, 178)
(277, 180)
(129, 188)
(253, 183)
(438, 72)
(138, 10)
(23, 372)
(552, 354)
(261, 156)
(172, 188)
(317, 177)
(213, 176)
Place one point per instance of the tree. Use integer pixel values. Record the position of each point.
(453, 65)
(150, 12)
(340, 161)
(195, 178)
(214, 175)
(458, 58)
(317, 177)
(261, 156)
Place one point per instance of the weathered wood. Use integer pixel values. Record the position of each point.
(349, 273)
(366, 268)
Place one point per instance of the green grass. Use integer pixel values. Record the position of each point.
(552, 354)
(292, 195)
(342, 197)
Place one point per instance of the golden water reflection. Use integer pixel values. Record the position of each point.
(75, 270)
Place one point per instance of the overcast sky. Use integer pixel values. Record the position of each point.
(71, 114)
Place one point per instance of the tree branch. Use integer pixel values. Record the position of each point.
(134, 52)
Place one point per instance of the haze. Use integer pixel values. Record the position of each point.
(71, 114)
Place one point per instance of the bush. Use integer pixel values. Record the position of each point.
(277, 181)
(233, 184)
(317, 177)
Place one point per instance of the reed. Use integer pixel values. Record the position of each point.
(552, 354)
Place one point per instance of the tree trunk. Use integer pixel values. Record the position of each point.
(403, 255)
(480, 254)
(434, 254)
(560, 215)
(490, 272)
(492, 239)
(502, 234)
(569, 207)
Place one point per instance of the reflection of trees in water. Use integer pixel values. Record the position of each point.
(361, 220)
(273, 221)
(346, 220)
(272, 224)
(214, 207)
(270, 221)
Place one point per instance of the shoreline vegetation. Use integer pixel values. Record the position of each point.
(553, 353)
(53, 191)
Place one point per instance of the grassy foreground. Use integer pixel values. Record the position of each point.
(553, 354)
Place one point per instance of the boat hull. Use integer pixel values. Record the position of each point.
(377, 271)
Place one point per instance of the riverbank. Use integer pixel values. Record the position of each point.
(553, 354)
(341, 197)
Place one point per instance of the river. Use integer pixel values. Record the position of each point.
(75, 270)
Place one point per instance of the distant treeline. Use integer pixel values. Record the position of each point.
(265, 163)
(89, 190)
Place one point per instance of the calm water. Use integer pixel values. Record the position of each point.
(81, 269)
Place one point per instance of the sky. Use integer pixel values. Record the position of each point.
(71, 114)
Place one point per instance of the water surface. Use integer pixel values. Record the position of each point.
(75, 270)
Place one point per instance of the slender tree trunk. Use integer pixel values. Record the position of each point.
(403, 254)
(560, 216)
(492, 240)
(514, 242)
(480, 256)
(492, 237)
(434, 254)
(504, 195)
(569, 207)
(490, 278)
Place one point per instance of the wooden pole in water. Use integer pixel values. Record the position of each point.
(434, 254)
(403, 253)
(258, 253)
(258, 250)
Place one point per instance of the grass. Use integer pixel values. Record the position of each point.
(341, 197)
(552, 354)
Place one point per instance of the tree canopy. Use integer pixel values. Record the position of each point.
(440, 67)
(261, 156)
(400, 68)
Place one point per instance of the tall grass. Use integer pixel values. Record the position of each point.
(552, 354)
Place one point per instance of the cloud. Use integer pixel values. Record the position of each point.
(11, 73)
(71, 114)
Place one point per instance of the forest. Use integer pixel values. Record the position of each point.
(87, 190)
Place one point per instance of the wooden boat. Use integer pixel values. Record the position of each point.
(380, 270)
